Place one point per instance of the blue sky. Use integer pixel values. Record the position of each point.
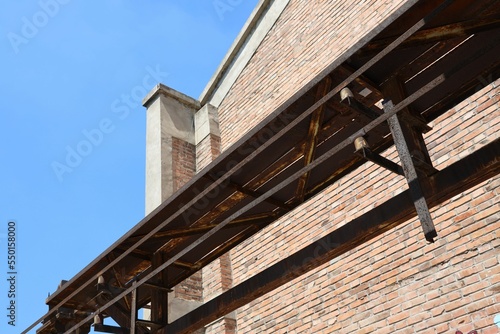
(72, 139)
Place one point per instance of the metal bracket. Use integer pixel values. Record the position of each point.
(411, 175)
(368, 154)
(348, 99)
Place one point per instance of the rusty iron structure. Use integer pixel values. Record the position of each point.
(421, 61)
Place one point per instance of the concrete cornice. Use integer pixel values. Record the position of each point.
(254, 31)
(161, 89)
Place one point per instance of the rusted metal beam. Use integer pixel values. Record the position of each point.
(369, 127)
(185, 265)
(194, 230)
(369, 155)
(328, 129)
(133, 309)
(221, 250)
(394, 90)
(411, 175)
(146, 256)
(157, 287)
(227, 245)
(484, 78)
(276, 167)
(120, 312)
(151, 324)
(208, 218)
(345, 70)
(159, 299)
(462, 175)
(138, 253)
(110, 329)
(117, 312)
(362, 80)
(118, 279)
(335, 175)
(360, 108)
(250, 192)
(434, 52)
(205, 223)
(256, 194)
(312, 138)
(438, 34)
(64, 319)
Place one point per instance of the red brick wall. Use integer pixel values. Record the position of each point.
(183, 162)
(308, 36)
(184, 168)
(207, 150)
(227, 326)
(396, 283)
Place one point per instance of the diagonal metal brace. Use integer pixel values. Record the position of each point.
(411, 175)
(368, 154)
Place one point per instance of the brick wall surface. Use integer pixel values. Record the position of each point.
(183, 169)
(227, 326)
(183, 162)
(396, 283)
(207, 150)
(308, 36)
(203, 153)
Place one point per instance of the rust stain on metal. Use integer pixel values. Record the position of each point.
(440, 33)
(312, 138)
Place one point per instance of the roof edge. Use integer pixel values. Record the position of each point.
(258, 19)
(161, 89)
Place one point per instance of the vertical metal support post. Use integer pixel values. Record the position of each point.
(413, 126)
(411, 175)
(133, 310)
(159, 299)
